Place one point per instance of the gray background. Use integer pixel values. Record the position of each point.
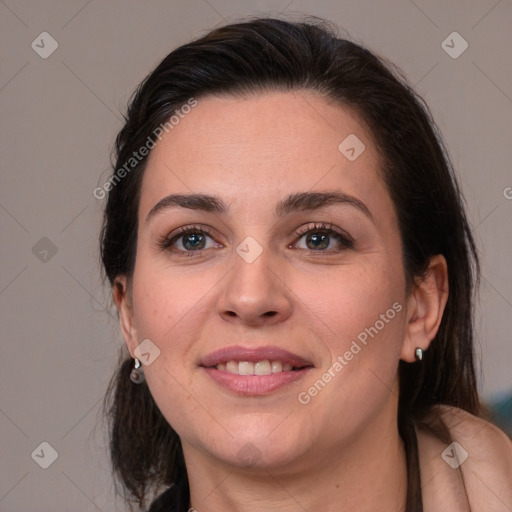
(59, 118)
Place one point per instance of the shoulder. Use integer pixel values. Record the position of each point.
(482, 453)
(484, 441)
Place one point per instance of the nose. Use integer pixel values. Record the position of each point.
(254, 293)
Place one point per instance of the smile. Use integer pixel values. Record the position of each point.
(264, 367)
(256, 370)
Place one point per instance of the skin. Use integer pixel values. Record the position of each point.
(336, 452)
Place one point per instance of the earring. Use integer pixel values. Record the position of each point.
(137, 373)
(419, 354)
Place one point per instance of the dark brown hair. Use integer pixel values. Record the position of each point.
(276, 55)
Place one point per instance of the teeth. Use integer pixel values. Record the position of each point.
(264, 367)
(232, 367)
(277, 366)
(245, 368)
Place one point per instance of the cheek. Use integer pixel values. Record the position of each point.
(171, 309)
(170, 312)
(352, 300)
(365, 317)
(166, 304)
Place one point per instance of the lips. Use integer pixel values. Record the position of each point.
(254, 371)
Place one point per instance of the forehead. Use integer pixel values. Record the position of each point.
(256, 149)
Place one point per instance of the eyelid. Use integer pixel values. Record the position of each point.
(322, 226)
(343, 237)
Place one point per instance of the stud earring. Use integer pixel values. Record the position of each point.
(419, 354)
(137, 373)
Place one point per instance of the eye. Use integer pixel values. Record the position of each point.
(319, 237)
(188, 239)
(194, 239)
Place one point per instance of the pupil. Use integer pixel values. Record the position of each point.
(196, 240)
(322, 238)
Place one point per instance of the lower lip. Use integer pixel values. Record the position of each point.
(253, 385)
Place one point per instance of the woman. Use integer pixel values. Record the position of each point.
(293, 270)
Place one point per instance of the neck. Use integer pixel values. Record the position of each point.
(369, 473)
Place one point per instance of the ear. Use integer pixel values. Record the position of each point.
(425, 307)
(122, 298)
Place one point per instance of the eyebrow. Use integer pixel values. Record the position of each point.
(301, 201)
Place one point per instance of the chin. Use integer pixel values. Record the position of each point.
(262, 448)
(258, 454)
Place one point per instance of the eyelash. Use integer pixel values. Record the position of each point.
(345, 240)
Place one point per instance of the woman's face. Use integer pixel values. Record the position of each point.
(260, 284)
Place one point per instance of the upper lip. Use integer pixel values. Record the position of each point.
(253, 354)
